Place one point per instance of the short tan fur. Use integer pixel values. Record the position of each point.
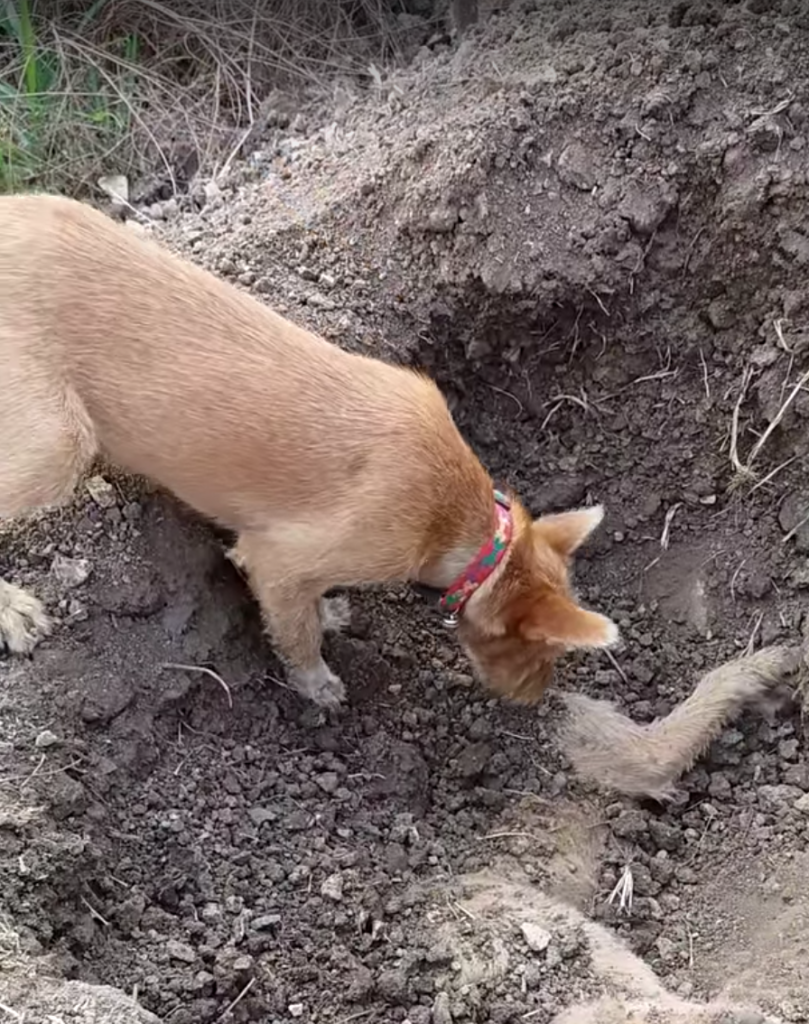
(333, 468)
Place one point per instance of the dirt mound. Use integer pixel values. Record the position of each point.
(589, 224)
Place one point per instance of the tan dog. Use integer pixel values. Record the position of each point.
(334, 469)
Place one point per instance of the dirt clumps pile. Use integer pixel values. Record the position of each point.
(588, 223)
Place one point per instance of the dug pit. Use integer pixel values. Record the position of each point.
(599, 254)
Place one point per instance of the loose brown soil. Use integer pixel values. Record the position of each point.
(588, 221)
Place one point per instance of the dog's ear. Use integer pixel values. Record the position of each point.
(555, 619)
(565, 532)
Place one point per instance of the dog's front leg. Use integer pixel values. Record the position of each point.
(295, 615)
(293, 619)
(23, 621)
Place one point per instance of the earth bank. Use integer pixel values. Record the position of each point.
(588, 224)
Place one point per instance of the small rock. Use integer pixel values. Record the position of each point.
(650, 505)
(328, 781)
(332, 887)
(105, 701)
(258, 815)
(203, 980)
(719, 785)
(802, 804)
(266, 922)
(666, 948)
(643, 883)
(180, 951)
(545, 73)
(537, 939)
(442, 1013)
(211, 912)
(116, 186)
(396, 858)
(101, 491)
(721, 314)
(777, 799)
(645, 211)
(129, 913)
(442, 219)
(46, 739)
(667, 837)
(298, 820)
(575, 167)
(764, 355)
(572, 943)
(630, 825)
(392, 986)
(71, 572)
(171, 208)
(474, 759)
(295, 1009)
(788, 749)
(231, 784)
(361, 985)
(68, 797)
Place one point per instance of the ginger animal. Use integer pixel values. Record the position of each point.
(333, 468)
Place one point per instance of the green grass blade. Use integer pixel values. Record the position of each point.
(26, 38)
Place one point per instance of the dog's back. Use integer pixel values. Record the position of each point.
(333, 468)
(138, 343)
(46, 436)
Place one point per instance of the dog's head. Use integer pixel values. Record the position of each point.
(525, 616)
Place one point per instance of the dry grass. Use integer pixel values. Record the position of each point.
(114, 87)
(744, 472)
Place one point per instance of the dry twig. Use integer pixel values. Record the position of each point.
(204, 671)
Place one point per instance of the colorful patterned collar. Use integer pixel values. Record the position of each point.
(485, 561)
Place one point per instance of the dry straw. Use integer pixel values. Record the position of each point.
(112, 87)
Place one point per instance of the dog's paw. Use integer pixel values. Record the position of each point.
(320, 685)
(335, 614)
(23, 621)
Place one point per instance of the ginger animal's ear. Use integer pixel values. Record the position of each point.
(556, 619)
(567, 531)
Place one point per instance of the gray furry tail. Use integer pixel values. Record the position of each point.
(637, 760)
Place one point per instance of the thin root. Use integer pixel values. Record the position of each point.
(665, 537)
(203, 671)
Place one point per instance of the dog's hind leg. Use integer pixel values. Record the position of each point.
(46, 443)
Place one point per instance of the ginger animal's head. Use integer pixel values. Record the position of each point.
(526, 616)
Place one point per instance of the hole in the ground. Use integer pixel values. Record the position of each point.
(209, 819)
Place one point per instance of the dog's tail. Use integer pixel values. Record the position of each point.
(646, 760)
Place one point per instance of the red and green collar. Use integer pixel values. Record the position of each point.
(485, 561)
